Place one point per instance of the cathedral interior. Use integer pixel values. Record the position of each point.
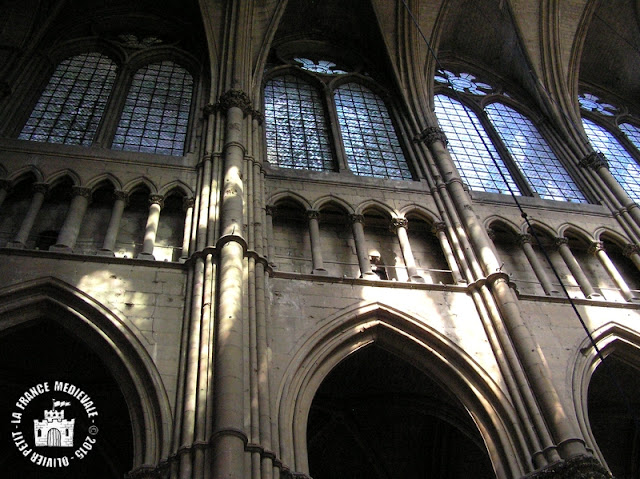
(315, 239)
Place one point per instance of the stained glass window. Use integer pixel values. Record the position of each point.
(463, 82)
(296, 129)
(621, 164)
(473, 157)
(632, 132)
(70, 108)
(370, 141)
(319, 66)
(156, 111)
(532, 154)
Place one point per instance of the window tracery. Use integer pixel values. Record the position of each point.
(605, 126)
(496, 148)
(153, 115)
(298, 119)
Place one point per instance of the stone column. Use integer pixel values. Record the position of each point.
(357, 223)
(316, 251)
(439, 229)
(73, 221)
(541, 274)
(229, 437)
(39, 192)
(598, 250)
(564, 250)
(270, 211)
(599, 164)
(632, 251)
(120, 199)
(5, 187)
(399, 225)
(187, 204)
(156, 202)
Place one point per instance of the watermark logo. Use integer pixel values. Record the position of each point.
(54, 424)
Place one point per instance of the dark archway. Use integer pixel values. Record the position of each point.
(43, 351)
(377, 416)
(611, 415)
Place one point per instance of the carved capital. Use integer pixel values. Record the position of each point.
(439, 227)
(80, 191)
(235, 98)
(430, 135)
(313, 214)
(356, 218)
(271, 210)
(144, 472)
(209, 109)
(577, 467)
(188, 203)
(596, 247)
(258, 116)
(156, 200)
(524, 238)
(594, 160)
(121, 195)
(40, 188)
(559, 242)
(631, 249)
(399, 223)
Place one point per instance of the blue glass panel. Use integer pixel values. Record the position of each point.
(621, 164)
(71, 106)
(471, 155)
(159, 98)
(370, 141)
(532, 154)
(296, 130)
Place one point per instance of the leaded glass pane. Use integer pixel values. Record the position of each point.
(472, 157)
(73, 102)
(156, 111)
(632, 132)
(296, 129)
(370, 141)
(532, 154)
(621, 164)
(319, 66)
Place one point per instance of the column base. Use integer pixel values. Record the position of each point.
(60, 248)
(370, 275)
(105, 252)
(594, 296)
(320, 272)
(15, 244)
(417, 279)
(577, 467)
(148, 256)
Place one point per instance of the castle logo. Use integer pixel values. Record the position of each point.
(54, 424)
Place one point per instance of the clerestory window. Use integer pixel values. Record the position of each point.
(153, 116)
(299, 115)
(496, 148)
(73, 102)
(611, 133)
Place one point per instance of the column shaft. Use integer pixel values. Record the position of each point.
(150, 231)
(111, 236)
(439, 230)
(39, 191)
(574, 267)
(525, 242)
(316, 250)
(400, 226)
(361, 247)
(188, 222)
(73, 221)
(613, 272)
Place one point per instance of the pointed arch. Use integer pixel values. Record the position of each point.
(375, 205)
(105, 177)
(20, 174)
(291, 196)
(325, 201)
(59, 176)
(141, 181)
(106, 334)
(343, 334)
(176, 185)
(419, 211)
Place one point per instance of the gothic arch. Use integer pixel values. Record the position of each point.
(24, 172)
(609, 338)
(138, 182)
(428, 350)
(125, 357)
(325, 201)
(106, 177)
(291, 196)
